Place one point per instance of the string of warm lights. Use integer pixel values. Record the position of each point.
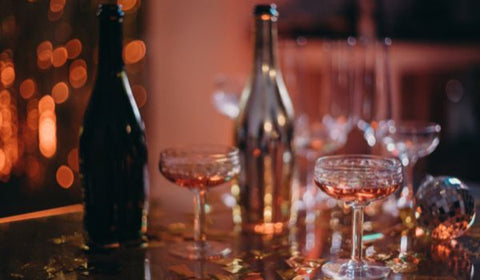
(31, 99)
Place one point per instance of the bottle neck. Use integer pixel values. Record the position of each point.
(110, 39)
(265, 56)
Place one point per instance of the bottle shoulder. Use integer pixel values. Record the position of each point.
(111, 101)
(267, 99)
(110, 121)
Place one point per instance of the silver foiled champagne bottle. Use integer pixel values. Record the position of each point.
(264, 134)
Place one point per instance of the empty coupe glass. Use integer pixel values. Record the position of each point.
(409, 141)
(357, 180)
(199, 168)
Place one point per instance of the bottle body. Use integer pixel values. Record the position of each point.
(264, 134)
(112, 150)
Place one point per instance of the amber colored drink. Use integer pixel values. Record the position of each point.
(195, 181)
(360, 195)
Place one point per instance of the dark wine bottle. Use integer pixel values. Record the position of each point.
(264, 134)
(113, 152)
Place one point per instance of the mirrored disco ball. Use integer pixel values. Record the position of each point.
(444, 207)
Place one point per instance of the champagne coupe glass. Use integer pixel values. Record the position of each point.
(198, 168)
(373, 96)
(409, 141)
(357, 180)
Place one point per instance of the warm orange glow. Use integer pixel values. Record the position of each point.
(134, 51)
(32, 167)
(44, 213)
(140, 95)
(44, 62)
(268, 228)
(27, 88)
(44, 46)
(8, 135)
(74, 48)
(127, 4)
(53, 16)
(2, 159)
(44, 55)
(7, 75)
(72, 159)
(60, 92)
(5, 98)
(64, 176)
(78, 63)
(78, 73)
(265, 17)
(32, 119)
(45, 104)
(57, 5)
(47, 126)
(47, 134)
(59, 56)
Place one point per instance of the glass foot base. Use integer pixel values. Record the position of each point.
(342, 269)
(190, 250)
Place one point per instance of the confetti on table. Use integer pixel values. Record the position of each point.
(182, 270)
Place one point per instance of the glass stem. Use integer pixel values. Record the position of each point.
(199, 222)
(410, 170)
(357, 234)
(310, 187)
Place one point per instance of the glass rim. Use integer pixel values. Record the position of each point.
(417, 126)
(214, 151)
(394, 166)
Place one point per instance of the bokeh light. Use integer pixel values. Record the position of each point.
(47, 126)
(7, 75)
(2, 159)
(52, 16)
(78, 73)
(8, 134)
(74, 48)
(44, 55)
(32, 114)
(64, 176)
(59, 56)
(32, 119)
(128, 5)
(57, 5)
(134, 51)
(140, 95)
(47, 138)
(52, 69)
(72, 159)
(60, 92)
(46, 104)
(27, 88)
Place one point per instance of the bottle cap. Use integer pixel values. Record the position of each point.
(112, 11)
(264, 9)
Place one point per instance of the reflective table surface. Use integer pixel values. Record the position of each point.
(50, 245)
